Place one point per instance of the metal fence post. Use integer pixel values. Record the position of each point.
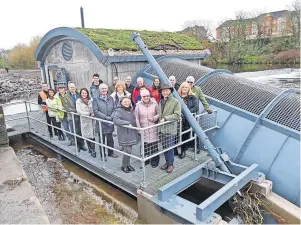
(143, 162)
(27, 114)
(3, 132)
(74, 132)
(102, 156)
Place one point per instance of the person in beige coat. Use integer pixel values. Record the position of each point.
(84, 107)
(147, 114)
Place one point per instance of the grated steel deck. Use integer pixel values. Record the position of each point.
(110, 169)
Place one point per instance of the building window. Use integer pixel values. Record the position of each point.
(254, 29)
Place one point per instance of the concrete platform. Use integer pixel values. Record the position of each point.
(18, 203)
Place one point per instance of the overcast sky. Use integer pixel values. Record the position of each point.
(22, 19)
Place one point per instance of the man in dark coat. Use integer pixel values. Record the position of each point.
(103, 108)
(70, 106)
(129, 86)
(95, 85)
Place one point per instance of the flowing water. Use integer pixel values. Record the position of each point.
(70, 194)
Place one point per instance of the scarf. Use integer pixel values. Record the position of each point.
(138, 87)
(104, 97)
(85, 100)
(185, 99)
(128, 109)
(119, 95)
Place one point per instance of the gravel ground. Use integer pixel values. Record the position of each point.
(65, 197)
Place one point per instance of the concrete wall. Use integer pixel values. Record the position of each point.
(122, 70)
(82, 65)
(18, 203)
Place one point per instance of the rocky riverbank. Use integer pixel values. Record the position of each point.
(19, 84)
(65, 197)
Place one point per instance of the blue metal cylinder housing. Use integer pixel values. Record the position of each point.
(258, 123)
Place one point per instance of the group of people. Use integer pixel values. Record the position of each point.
(125, 106)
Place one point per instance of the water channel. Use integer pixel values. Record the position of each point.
(70, 194)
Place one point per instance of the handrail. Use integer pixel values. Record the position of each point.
(102, 143)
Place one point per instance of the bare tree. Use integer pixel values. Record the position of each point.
(293, 23)
(200, 29)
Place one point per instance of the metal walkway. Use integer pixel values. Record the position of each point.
(34, 124)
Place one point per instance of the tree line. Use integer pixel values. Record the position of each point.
(21, 56)
(234, 44)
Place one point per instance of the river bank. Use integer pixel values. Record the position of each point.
(19, 84)
(68, 193)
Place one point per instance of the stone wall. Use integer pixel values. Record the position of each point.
(19, 84)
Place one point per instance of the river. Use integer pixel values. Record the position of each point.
(70, 194)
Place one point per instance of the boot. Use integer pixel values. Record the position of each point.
(62, 137)
(92, 148)
(89, 146)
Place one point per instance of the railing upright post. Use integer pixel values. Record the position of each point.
(74, 132)
(27, 115)
(180, 132)
(102, 156)
(4, 141)
(143, 161)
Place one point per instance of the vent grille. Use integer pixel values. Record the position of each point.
(240, 92)
(287, 112)
(181, 69)
(67, 51)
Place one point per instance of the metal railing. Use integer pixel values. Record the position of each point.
(153, 140)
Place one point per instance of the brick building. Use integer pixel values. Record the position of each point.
(272, 24)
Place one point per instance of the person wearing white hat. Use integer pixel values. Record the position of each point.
(199, 94)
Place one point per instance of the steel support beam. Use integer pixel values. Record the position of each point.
(262, 115)
(218, 176)
(181, 182)
(206, 208)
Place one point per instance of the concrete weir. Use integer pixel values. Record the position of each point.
(18, 203)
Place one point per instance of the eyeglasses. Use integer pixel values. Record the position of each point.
(189, 82)
(145, 96)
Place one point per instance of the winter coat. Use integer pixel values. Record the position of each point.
(156, 95)
(94, 91)
(126, 136)
(117, 99)
(148, 115)
(63, 103)
(54, 107)
(70, 104)
(193, 106)
(177, 86)
(200, 96)
(86, 124)
(111, 89)
(171, 111)
(136, 93)
(104, 109)
(130, 88)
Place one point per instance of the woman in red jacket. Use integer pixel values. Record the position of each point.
(155, 93)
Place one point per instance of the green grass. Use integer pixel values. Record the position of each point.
(120, 39)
